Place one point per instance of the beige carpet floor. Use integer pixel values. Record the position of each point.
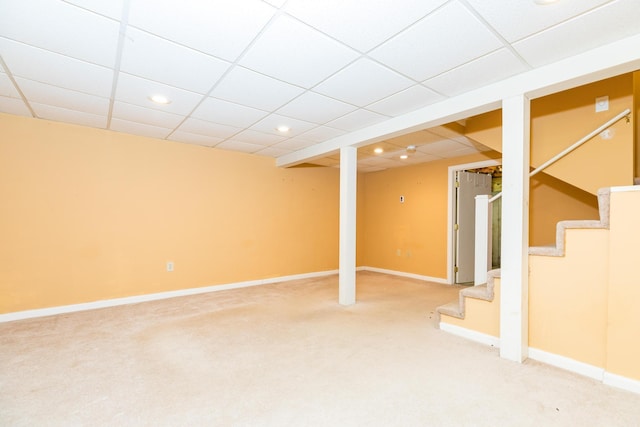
(284, 355)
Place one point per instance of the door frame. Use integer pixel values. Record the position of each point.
(451, 194)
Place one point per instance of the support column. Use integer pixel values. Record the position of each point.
(514, 293)
(347, 269)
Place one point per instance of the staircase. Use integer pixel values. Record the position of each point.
(582, 314)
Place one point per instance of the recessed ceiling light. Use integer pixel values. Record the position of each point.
(544, 2)
(404, 157)
(160, 99)
(378, 150)
(283, 129)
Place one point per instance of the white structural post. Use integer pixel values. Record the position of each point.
(347, 269)
(482, 262)
(514, 293)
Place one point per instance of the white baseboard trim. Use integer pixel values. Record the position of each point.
(50, 311)
(624, 383)
(403, 274)
(471, 334)
(567, 364)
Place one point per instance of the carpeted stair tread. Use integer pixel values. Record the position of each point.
(558, 249)
(483, 292)
(452, 309)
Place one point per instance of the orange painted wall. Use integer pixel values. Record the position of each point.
(88, 214)
(418, 227)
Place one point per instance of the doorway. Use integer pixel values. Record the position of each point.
(477, 179)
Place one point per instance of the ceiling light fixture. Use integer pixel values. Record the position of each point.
(283, 129)
(404, 157)
(411, 149)
(378, 150)
(160, 99)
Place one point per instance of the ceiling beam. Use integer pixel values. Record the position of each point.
(607, 61)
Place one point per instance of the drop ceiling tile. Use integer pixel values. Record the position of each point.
(192, 138)
(490, 68)
(376, 20)
(244, 147)
(58, 114)
(322, 133)
(447, 38)
(419, 157)
(249, 88)
(136, 90)
(620, 18)
(111, 8)
(410, 99)
(220, 28)
(258, 138)
(363, 82)
(515, 20)
(273, 152)
(119, 125)
(14, 106)
(357, 120)
(7, 88)
(202, 127)
(414, 138)
(291, 51)
(55, 69)
(153, 58)
(270, 123)
(315, 108)
(294, 144)
(56, 26)
(441, 148)
(276, 3)
(370, 169)
(227, 113)
(135, 113)
(458, 153)
(64, 98)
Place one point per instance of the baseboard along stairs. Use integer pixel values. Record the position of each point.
(555, 326)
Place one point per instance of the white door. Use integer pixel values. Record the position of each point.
(468, 186)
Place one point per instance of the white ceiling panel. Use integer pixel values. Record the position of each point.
(291, 51)
(55, 26)
(257, 138)
(449, 154)
(64, 98)
(294, 144)
(126, 126)
(111, 8)
(377, 20)
(153, 58)
(363, 82)
(135, 113)
(357, 120)
(270, 124)
(322, 133)
(192, 138)
(227, 113)
(315, 108)
(136, 90)
(490, 68)
(7, 88)
(440, 148)
(28, 62)
(273, 152)
(59, 114)
(515, 20)
(434, 45)
(249, 88)
(244, 147)
(405, 101)
(14, 106)
(559, 41)
(202, 127)
(220, 28)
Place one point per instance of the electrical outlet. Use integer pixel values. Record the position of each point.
(169, 266)
(602, 103)
(401, 199)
